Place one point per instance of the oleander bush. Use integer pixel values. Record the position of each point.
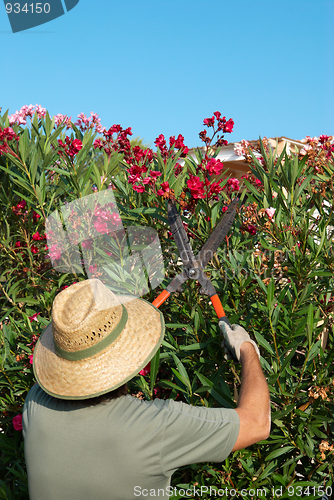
(273, 273)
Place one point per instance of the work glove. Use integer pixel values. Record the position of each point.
(234, 337)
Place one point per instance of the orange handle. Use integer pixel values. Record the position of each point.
(161, 298)
(217, 306)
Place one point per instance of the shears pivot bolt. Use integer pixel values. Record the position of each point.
(192, 273)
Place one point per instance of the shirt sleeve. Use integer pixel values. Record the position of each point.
(197, 434)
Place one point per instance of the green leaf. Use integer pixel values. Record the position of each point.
(194, 347)
(270, 294)
(59, 171)
(263, 342)
(310, 325)
(279, 452)
(154, 368)
(182, 371)
(168, 383)
(176, 325)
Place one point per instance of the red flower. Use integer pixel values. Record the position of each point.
(214, 167)
(209, 122)
(115, 129)
(145, 370)
(31, 358)
(139, 188)
(36, 236)
(177, 169)
(179, 144)
(196, 187)
(35, 216)
(251, 229)
(34, 317)
(164, 189)
(160, 142)
(323, 138)
(228, 127)
(224, 209)
(233, 184)
(215, 188)
(155, 174)
(17, 422)
(72, 147)
(76, 146)
(34, 249)
(21, 204)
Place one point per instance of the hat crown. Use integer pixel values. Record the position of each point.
(83, 314)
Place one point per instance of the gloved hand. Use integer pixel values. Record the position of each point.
(234, 337)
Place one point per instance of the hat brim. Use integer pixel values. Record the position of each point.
(107, 370)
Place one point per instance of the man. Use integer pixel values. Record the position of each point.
(122, 447)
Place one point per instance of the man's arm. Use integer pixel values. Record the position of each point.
(254, 401)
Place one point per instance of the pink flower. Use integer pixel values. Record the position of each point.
(62, 119)
(101, 227)
(17, 422)
(17, 118)
(41, 112)
(241, 148)
(270, 212)
(34, 317)
(87, 244)
(31, 358)
(54, 252)
(27, 110)
(224, 209)
(145, 370)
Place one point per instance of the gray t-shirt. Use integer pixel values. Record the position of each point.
(120, 450)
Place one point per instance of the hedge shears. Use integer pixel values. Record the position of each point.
(194, 266)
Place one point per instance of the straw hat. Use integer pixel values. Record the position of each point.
(94, 344)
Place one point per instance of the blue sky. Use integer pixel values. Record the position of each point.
(163, 66)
